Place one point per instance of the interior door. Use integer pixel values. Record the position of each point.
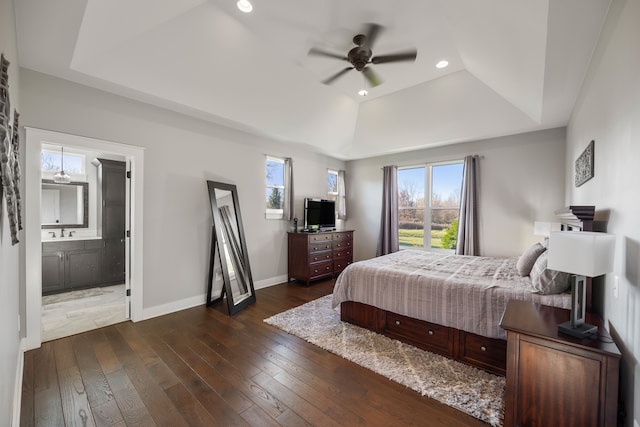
(127, 242)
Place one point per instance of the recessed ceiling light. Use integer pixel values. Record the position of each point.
(245, 6)
(442, 64)
(363, 92)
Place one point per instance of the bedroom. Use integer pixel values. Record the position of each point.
(175, 195)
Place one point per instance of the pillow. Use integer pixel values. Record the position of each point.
(546, 281)
(528, 258)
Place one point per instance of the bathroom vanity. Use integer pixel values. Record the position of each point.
(71, 264)
(70, 261)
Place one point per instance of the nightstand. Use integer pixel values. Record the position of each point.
(554, 379)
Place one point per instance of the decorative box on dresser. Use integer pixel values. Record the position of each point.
(321, 255)
(554, 379)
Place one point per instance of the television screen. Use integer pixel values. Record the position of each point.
(319, 213)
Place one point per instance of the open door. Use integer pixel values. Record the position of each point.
(127, 244)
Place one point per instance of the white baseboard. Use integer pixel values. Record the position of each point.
(260, 284)
(172, 307)
(183, 304)
(17, 387)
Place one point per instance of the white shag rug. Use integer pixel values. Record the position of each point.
(476, 392)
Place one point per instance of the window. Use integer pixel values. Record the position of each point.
(274, 187)
(439, 209)
(332, 184)
(50, 161)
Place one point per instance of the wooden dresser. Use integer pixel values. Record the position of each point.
(320, 255)
(554, 379)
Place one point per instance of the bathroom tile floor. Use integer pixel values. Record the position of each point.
(78, 311)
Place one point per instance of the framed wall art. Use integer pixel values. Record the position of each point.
(584, 165)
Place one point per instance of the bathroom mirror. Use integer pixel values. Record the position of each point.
(229, 271)
(64, 205)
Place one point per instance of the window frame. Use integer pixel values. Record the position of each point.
(48, 174)
(269, 212)
(428, 204)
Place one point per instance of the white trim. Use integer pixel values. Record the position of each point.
(173, 306)
(186, 303)
(17, 387)
(261, 284)
(33, 247)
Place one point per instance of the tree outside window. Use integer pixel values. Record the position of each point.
(274, 177)
(332, 184)
(440, 209)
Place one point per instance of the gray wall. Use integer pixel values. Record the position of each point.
(520, 183)
(10, 302)
(181, 153)
(608, 112)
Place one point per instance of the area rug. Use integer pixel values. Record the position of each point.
(453, 383)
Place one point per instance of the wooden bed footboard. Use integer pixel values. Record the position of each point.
(489, 354)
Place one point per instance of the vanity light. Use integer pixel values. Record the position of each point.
(61, 177)
(442, 64)
(245, 6)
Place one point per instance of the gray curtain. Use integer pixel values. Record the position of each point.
(288, 212)
(467, 242)
(342, 197)
(388, 238)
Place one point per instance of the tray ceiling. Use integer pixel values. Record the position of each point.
(514, 66)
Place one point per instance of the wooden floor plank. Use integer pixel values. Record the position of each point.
(202, 367)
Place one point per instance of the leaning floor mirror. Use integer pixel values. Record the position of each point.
(229, 271)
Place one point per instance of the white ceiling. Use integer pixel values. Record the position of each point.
(514, 65)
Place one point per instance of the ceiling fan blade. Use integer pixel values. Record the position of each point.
(320, 52)
(373, 79)
(333, 78)
(371, 34)
(409, 55)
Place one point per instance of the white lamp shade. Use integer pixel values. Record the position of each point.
(544, 228)
(581, 252)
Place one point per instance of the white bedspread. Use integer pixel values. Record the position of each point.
(465, 292)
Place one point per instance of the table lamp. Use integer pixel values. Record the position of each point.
(583, 254)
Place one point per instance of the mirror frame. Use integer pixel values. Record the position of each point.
(220, 256)
(85, 196)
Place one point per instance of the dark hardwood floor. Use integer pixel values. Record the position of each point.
(200, 367)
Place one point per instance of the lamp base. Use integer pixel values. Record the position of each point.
(582, 331)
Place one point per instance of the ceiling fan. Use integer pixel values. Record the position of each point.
(361, 56)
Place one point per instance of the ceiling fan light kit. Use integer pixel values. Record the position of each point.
(245, 6)
(361, 57)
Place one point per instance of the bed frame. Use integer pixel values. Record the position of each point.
(489, 354)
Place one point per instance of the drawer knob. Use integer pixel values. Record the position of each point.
(483, 348)
(397, 322)
(430, 332)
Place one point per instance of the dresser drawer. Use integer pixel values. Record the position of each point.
(342, 253)
(319, 247)
(340, 264)
(437, 338)
(489, 353)
(319, 237)
(343, 236)
(320, 256)
(320, 269)
(341, 244)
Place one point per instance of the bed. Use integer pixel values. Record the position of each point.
(448, 304)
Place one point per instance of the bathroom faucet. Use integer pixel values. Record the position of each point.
(53, 233)
(71, 233)
(62, 233)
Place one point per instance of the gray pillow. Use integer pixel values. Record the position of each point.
(546, 281)
(528, 258)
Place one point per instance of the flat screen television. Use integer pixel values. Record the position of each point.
(319, 214)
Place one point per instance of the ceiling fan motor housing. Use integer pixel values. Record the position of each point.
(359, 57)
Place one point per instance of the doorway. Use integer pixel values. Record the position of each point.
(133, 157)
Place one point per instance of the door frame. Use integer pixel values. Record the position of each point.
(33, 247)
